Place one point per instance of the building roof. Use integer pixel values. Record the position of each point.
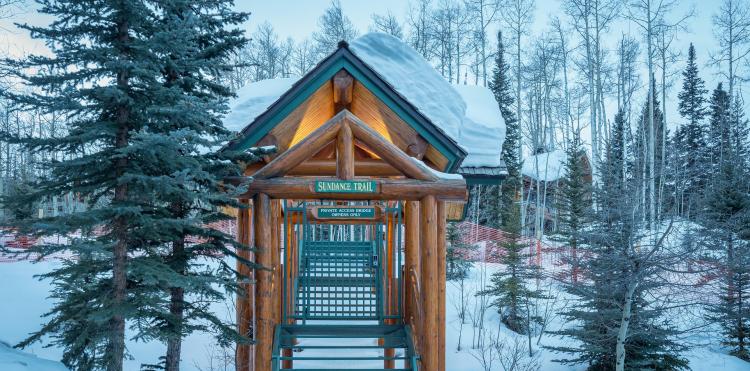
(463, 123)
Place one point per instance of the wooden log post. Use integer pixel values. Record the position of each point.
(243, 354)
(441, 253)
(345, 153)
(390, 288)
(278, 278)
(429, 277)
(343, 90)
(264, 297)
(411, 257)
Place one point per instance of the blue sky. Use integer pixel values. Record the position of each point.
(298, 19)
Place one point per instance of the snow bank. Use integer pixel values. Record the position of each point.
(16, 360)
(547, 167)
(253, 99)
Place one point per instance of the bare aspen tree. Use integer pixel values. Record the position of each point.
(591, 19)
(516, 16)
(387, 23)
(303, 57)
(420, 23)
(732, 30)
(483, 14)
(648, 16)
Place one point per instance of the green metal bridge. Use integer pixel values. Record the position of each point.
(342, 282)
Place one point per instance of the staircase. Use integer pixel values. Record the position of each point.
(339, 280)
(343, 347)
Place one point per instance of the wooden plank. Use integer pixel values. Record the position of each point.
(387, 189)
(441, 256)
(264, 323)
(244, 301)
(429, 284)
(388, 151)
(434, 156)
(289, 274)
(343, 90)
(345, 153)
(303, 150)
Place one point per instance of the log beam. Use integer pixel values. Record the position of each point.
(303, 150)
(243, 352)
(388, 151)
(264, 301)
(345, 153)
(387, 189)
(343, 90)
(441, 256)
(429, 277)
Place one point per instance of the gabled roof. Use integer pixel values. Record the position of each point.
(343, 58)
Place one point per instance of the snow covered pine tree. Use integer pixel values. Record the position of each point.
(138, 83)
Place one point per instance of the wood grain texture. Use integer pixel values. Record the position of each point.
(345, 152)
(441, 256)
(429, 284)
(243, 352)
(388, 151)
(264, 291)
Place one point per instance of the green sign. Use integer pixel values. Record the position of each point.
(345, 186)
(346, 212)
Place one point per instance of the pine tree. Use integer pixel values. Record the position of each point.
(718, 132)
(513, 297)
(457, 264)
(724, 222)
(138, 84)
(613, 275)
(511, 187)
(574, 202)
(690, 155)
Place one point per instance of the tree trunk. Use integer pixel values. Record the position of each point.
(622, 334)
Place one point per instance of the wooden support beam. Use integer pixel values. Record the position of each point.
(387, 189)
(417, 148)
(389, 279)
(441, 256)
(265, 318)
(388, 151)
(362, 167)
(411, 255)
(345, 153)
(278, 277)
(343, 90)
(303, 150)
(289, 275)
(429, 277)
(243, 354)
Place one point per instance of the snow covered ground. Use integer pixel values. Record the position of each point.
(24, 301)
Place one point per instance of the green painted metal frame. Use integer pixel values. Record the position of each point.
(317, 241)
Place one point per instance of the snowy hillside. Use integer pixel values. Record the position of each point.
(26, 303)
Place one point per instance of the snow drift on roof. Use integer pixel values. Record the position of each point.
(483, 129)
(547, 167)
(253, 99)
(469, 115)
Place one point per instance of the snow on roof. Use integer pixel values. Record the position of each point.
(483, 129)
(547, 166)
(15, 360)
(253, 99)
(468, 114)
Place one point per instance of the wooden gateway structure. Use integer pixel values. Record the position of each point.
(348, 218)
